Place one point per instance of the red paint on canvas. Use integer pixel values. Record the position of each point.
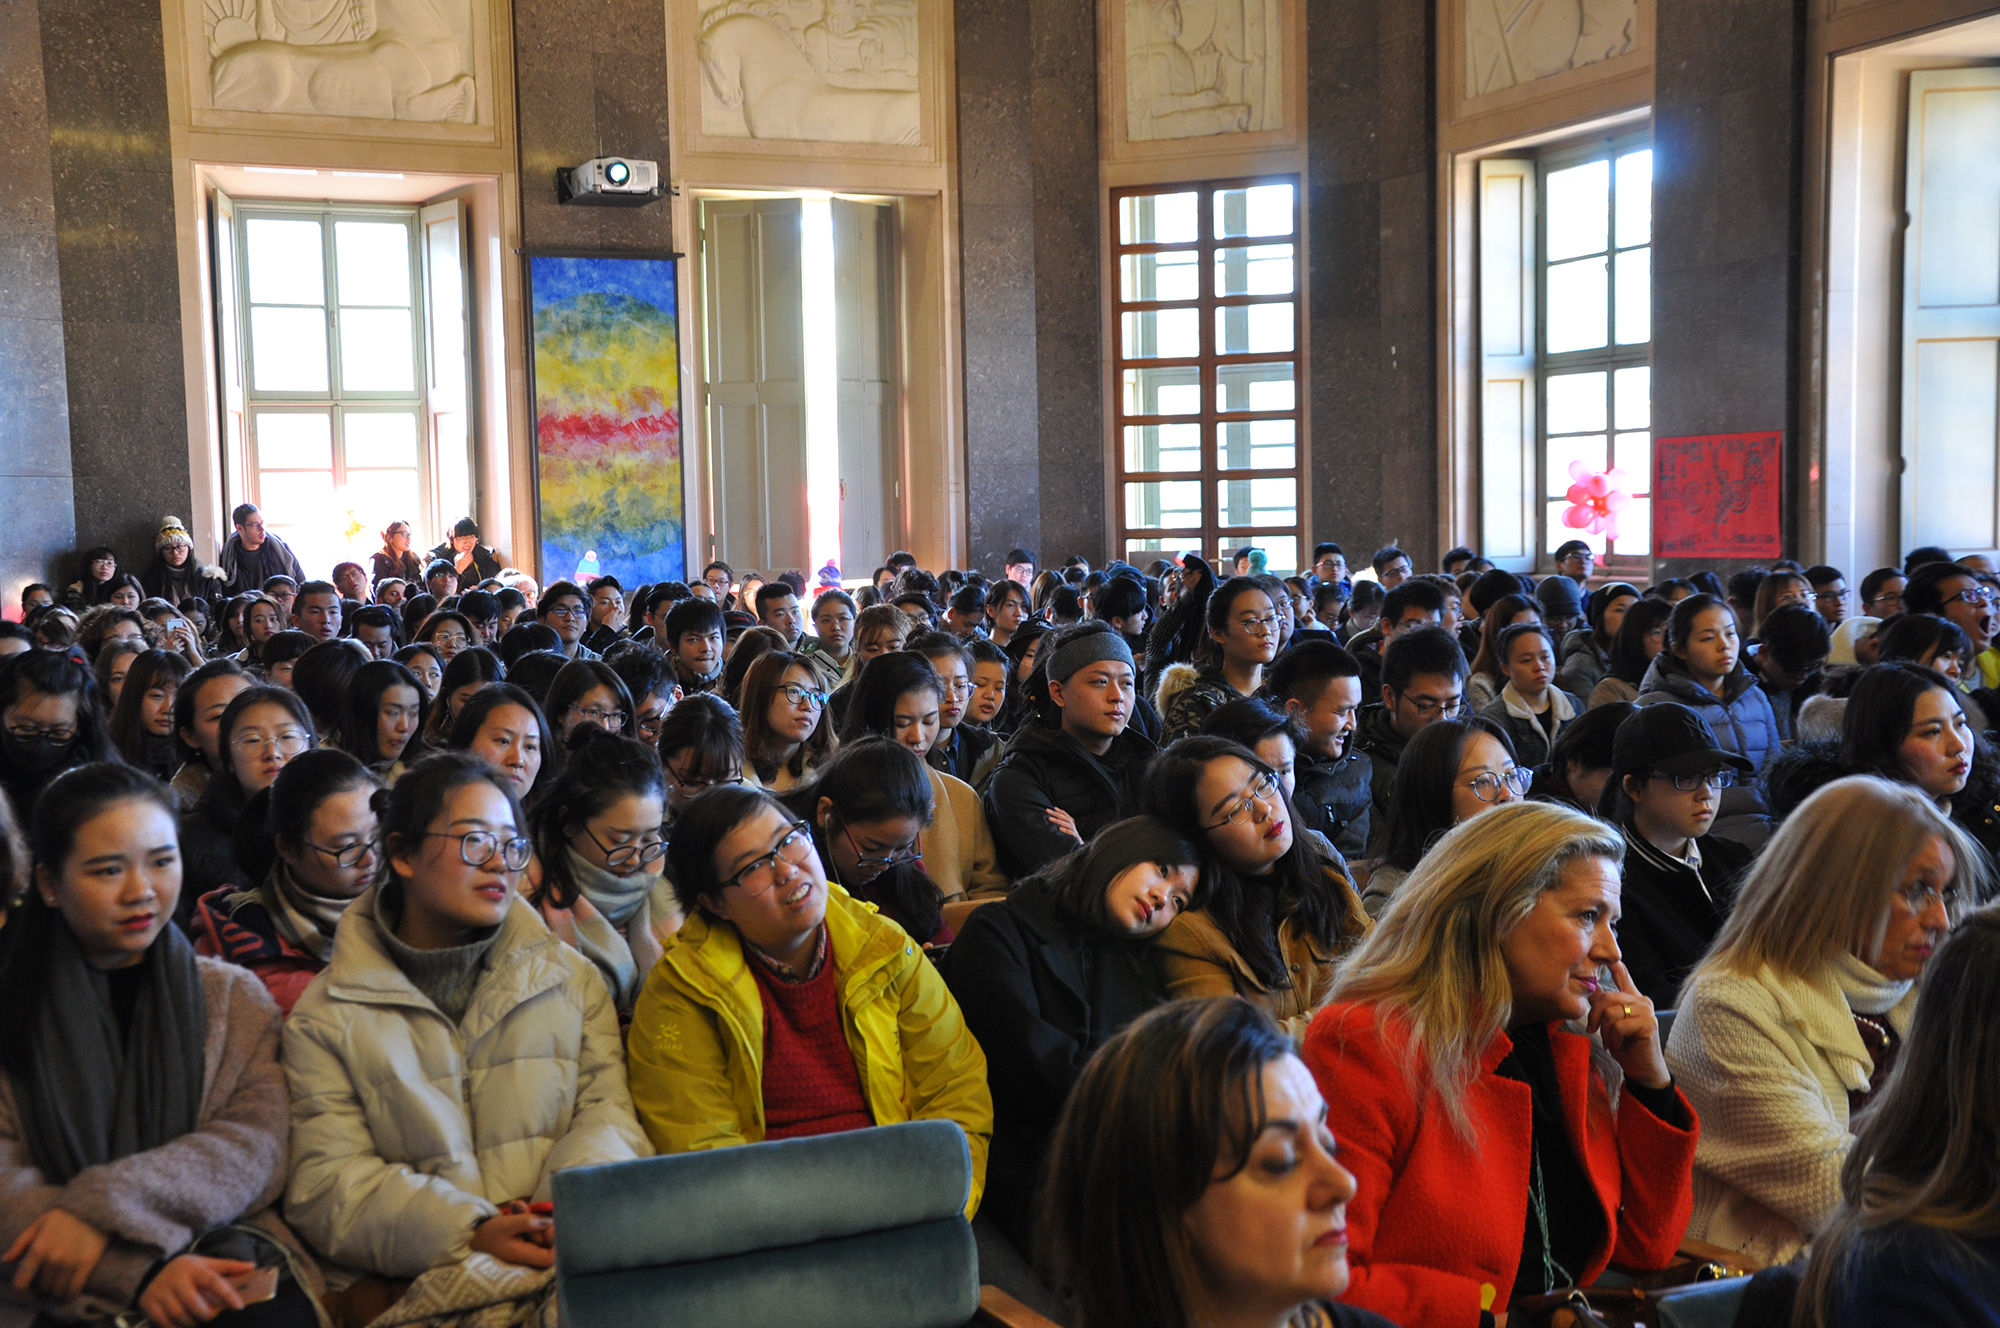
(1717, 495)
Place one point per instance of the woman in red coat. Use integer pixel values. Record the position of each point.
(1496, 1081)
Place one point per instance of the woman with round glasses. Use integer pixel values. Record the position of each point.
(597, 876)
(443, 974)
(312, 845)
(258, 735)
(1278, 914)
(1667, 778)
(701, 747)
(1243, 633)
(785, 729)
(1451, 771)
(1793, 1020)
(784, 1007)
(586, 691)
(868, 808)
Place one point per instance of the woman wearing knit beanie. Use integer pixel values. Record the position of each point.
(174, 575)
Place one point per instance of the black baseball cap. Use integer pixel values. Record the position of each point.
(1672, 739)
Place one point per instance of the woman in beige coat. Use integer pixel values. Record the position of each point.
(1793, 1020)
(454, 1054)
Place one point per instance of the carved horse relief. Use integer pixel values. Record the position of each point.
(816, 71)
(368, 59)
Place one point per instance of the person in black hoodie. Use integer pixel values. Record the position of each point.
(1423, 681)
(1050, 973)
(51, 718)
(1667, 777)
(1319, 684)
(1075, 767)
(259, 734)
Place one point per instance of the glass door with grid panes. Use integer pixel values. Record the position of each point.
(1208, 370)
(1596, 289)
(332, 333)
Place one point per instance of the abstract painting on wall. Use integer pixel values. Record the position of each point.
(607, 418)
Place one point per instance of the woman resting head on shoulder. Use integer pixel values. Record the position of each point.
(1486, 1005)
(1795, 1017)
(127, 1058)
(742, 1032)
(1916, 1237)
(443, 973)
(1048, 974)
(1194, 1180)
(1278, 912)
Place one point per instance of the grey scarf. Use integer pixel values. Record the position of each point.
(307, 921)
(96, 1096)
(618, 900)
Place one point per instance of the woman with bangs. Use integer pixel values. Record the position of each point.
(1051, 973)
(1491, 1071)
(1794, 1020)
(503, 727)
(701, 747)
(786, 733)
(469, 670)
(259, 733)
(142, 723)
(868, 808)
(1278, 913)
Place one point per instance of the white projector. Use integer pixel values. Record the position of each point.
(610, 182)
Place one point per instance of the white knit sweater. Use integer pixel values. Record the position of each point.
(1767, 1063)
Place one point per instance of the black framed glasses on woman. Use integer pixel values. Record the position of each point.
(1486, 787)
(794, 848)
(348, 855)
(647, 851)
(477, 847)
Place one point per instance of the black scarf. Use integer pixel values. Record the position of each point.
(95, 1094)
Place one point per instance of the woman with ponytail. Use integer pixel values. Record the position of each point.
(597, 873)
(310, 842)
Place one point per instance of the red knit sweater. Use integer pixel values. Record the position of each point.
(811, 1084)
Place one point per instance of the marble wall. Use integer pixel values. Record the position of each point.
(1727, 161)
(34, 423)
(1371, 215)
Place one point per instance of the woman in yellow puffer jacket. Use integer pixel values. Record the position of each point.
(784, 1007)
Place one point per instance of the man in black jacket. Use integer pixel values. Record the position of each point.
(1075, 768)
(1319, 685)
(473, 561)
(1423, 681)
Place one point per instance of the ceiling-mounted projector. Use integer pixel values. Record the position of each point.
(610, 182)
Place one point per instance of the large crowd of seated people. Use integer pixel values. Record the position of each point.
(1339, 949)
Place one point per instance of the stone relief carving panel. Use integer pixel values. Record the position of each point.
(1510, 42)
(816, 71)
(366, 59)
(1199, 67)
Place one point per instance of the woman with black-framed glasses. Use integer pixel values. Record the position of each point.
(1278, 915)
(312, 843)
(783, 1007)
(1668, 774)
(869, 807)
(1452, 771)
(443, 974)
(597, 875)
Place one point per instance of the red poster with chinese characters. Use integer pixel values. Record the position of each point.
(1717, 495)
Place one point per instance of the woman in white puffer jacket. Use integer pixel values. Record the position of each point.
(454, 1054)
(1793, 1019)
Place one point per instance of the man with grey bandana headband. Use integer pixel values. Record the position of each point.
(1075, 767)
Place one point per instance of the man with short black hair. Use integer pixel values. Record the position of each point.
(253, 554)
(566, 609)
(1021, 566)
(1423, 681)
(1392, 566)
(1411, 605)
(473, 561)
(694, 638)
(511, 603)
(966, 613)
(440, 580)
(1575, 560)
(1456, 561)
(1074, 768)
(777, 608)
(316, 612)
(607, 613)
(660, 600)
(1829, 587)
(285, 590)
(1319, 685)
(379, 628)
(1946, 590)
(1329, 563)
(482, 610)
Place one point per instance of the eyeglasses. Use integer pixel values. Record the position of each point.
(1264, 626)
(761, 873)
(1715, 779)
(914, 853)
(1428, 707)
(477, 847)
(1921, 899)
(565, 611)
(650, 851)
(1263, 789)
(1891, 604)
(961, 689)
(608, 720)
(351, 856)
(649, 729)
(289, 743)
(1486, 787)
(801, 695)
(1829, 596)
(1976, 595)
(30, 733)
(450, 640)
(702, 785)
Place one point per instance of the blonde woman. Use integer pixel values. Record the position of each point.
(1488, 1006)
(1793, 1020)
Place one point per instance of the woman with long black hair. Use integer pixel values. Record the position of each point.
(868, 808)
